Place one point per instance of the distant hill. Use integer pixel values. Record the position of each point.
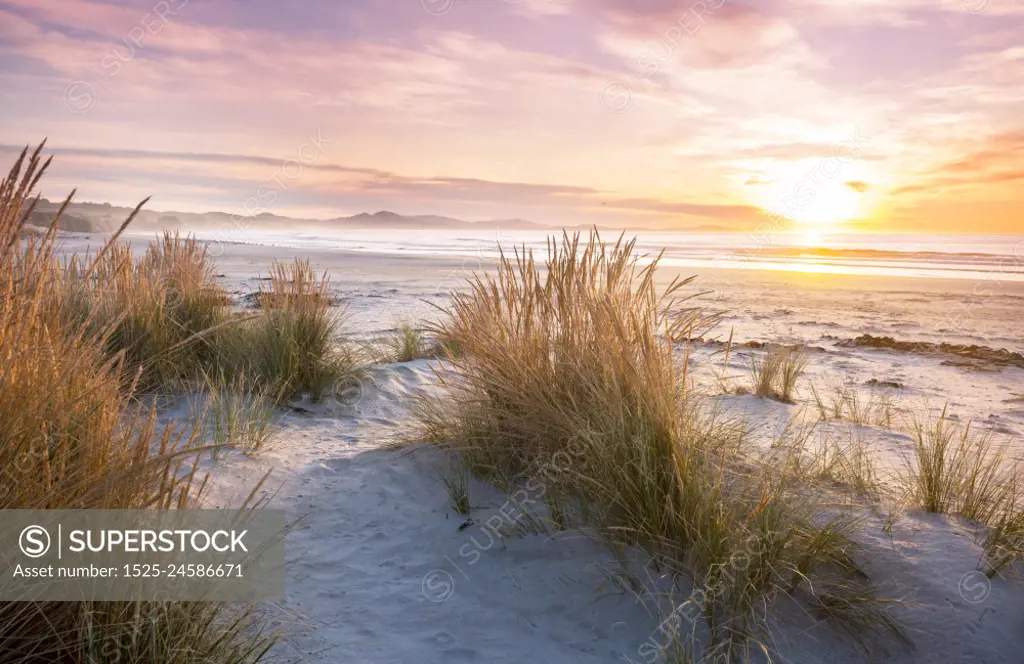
(40, 219)
(104, 217)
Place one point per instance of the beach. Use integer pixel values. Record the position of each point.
(381, 569)
(560, 331)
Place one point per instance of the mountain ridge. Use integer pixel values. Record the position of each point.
(105, 217)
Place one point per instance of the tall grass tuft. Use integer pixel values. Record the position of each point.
(960, 472)
(1004, 543)
(573, 381)
(154, 311)
(294, 346)
(845, 402)
(578, 362)
(72, 435)
(838, 461)
(455, 478)
(860, 611)
(775, 372)
(239, 413)
(407, 343)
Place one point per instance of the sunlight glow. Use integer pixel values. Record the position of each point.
(809, 193)
(812, 238)
(826, 203)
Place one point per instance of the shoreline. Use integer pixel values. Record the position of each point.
(382, 552)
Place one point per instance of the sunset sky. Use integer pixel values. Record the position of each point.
(890, 115)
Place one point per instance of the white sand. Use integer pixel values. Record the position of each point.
(381, 572)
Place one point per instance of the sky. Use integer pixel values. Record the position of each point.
(872, 115)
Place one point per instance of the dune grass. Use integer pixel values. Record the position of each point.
(455, 478)
(775, 372)
(853, 465)
(407, 342)
(860, 611)
(846, 402)
(961, 472)
(152, 311)
(573, 381)
(169, 323)
(820, 455)
(74, 435)
(294, 346)
(239, 413)
(530, 384)
(410, 340)
(1004, 543)
(764, 373)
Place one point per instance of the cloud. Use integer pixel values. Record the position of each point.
(745, 214)
(498, 104)
(542, 8)
(237, 176)
(996, 160)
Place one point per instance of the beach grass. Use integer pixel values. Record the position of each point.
(846, 402)
(455, 477)
(775, 372)
(165, 318)
(239, 412)
(294, 345)
(1004, 543)
(573, 379)
(407, 343)
(151, 311)
(840, 459)
(75, 434)
(960, 471)
(861, 612)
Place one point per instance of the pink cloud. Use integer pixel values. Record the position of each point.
(507, 103)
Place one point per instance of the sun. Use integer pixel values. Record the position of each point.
(829, 203)
(817, 203)
(808, 195)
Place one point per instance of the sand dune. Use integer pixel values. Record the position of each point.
(382, 569)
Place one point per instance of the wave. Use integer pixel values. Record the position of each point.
(828, 252)
(881, 255)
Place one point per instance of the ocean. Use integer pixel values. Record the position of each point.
(970, 257)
